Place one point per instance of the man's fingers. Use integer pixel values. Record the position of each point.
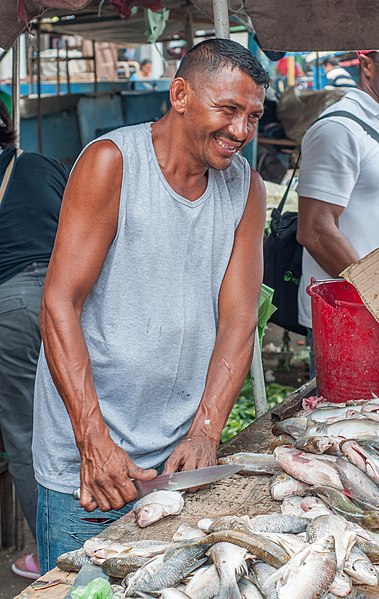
(140, 473)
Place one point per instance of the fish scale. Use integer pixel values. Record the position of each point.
(174, 569)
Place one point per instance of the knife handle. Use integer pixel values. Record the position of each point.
(76, 492)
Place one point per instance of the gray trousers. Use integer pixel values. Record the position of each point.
(20, 299)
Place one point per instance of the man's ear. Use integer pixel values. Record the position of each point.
(367, 66)
(179, 94)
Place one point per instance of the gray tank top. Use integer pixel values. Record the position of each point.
(150, 321)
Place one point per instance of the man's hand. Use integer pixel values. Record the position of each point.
(192, 453)
(106, 470)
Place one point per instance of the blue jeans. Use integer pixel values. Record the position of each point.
(20, 299)
(63, 525)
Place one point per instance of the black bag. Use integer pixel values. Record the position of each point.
(282, 256)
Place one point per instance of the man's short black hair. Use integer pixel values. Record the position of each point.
(146, 61)
(332, 60)
(210, 56)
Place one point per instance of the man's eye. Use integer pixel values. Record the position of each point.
(229, 108)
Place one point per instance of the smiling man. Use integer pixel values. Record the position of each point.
(151, 298)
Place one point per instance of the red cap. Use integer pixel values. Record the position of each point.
(358, 52)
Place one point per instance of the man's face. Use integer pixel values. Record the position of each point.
(221, 116)
(146, 69)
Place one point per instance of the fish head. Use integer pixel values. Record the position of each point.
(364, 572)
(316, 444)
(149, 513)
(341, 585)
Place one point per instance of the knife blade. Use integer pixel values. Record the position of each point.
(185, 479)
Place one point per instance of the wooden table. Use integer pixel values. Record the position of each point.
(234, 495)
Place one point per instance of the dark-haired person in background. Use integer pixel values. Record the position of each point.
(336, 76)
(151, 298)
(28, 221)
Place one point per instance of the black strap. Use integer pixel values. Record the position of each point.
(280, 207)
(348, 115)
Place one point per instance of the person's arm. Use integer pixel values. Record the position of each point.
(318, 232)
(232, 354)
(87, 227)
(328, 175)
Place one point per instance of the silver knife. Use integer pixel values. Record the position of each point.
(177, 481)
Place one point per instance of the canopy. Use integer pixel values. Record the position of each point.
(291, 25)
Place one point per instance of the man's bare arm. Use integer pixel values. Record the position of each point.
(318, 232)
(232, 354)
(87, 227)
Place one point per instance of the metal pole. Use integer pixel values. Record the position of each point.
(58, 71)
(16, 90)
(189, 33)
(30, 68)
(68, 70)
(94, 64)
(221, 18)
(39, 105)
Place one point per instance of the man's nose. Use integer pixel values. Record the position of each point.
(239, 128)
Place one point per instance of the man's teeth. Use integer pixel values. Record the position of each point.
(224, 145)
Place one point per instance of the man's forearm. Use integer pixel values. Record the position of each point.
(228, 367)
(332, 252)
(70, 367)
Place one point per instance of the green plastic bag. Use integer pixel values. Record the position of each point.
(265, 309)
(96, 589)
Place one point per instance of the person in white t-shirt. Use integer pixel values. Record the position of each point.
(339, 186)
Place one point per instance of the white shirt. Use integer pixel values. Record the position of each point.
(340, 165)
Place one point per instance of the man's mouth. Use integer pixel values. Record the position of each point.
(227, 145)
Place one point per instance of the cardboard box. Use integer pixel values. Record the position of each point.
(364, 275)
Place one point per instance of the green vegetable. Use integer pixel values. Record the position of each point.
(243, 412)
(96, 589)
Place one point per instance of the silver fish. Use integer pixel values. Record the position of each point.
(308, 468)
(294, 427)
(205, 583)
(253, 463)
(119, 566)
(283, 485)
(248, 589)
(157, 505)
(344, 538)
(309, 573)
(187, 531)
(226, 523)
(231, 566)
(338, 412)
(292, 505)
(72, 561)
(362, 490)
(174, 569)
(363, 457)
(278, 523)
(131, 581)
(352, 428)
(262, 574)
(359, 567)
(341, 585)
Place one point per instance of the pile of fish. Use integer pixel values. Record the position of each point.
(322, 545)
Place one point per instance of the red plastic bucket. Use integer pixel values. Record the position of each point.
(346, 342)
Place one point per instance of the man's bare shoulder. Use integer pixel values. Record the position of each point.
(102, 157)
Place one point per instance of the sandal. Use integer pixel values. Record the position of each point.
(27, 566)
